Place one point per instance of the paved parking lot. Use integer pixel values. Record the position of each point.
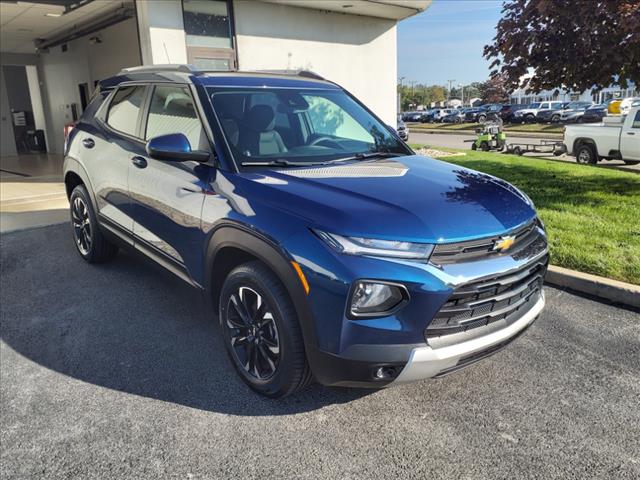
(116, 370)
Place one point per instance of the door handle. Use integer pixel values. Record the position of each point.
(139, 162)
(631, 133)
(88, 142)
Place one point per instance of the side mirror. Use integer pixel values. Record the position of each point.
(175, 147)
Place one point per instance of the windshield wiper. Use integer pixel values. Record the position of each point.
(366, 155)
(278, 162)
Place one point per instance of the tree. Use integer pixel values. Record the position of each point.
(494, 90)
(570, 43)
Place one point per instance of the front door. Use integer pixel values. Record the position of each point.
(630, 139)
(167, 196)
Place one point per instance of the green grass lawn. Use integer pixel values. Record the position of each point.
(525, 127)
(592, 214)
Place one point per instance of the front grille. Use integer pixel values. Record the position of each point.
(504, 297)
(460, 252)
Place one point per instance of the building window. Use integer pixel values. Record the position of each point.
(208, 25)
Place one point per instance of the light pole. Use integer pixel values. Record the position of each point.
(400, 80)
(449, 92)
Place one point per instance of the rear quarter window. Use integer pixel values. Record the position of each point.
(124, 109)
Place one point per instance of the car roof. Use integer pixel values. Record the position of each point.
(188, 74)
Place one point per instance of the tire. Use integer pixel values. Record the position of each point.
(529, 118)
(90, 242)
(555, 118)
(580, 120)
(484, 146)
(482, 118)
(586, 154)
(517, 151)
(474, 146)
(269, 358)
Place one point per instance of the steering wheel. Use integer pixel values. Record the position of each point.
(325, 138)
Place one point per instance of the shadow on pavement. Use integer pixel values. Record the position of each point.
(126, 326)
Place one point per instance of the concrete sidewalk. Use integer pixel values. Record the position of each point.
(32, 193)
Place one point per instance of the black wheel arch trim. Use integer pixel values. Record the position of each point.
(73, 166)
(242, 237)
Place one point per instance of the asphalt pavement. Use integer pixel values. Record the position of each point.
(117, 371)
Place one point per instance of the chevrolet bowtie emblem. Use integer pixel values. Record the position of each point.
(504, 243)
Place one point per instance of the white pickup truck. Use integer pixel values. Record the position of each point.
(616, 138)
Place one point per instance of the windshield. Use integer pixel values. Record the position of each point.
(301, 126)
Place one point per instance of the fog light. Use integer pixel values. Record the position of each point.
(384, 373)
(372, 298)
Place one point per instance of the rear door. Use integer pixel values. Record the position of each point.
(167, 196)
(109, 149)
(630, 138)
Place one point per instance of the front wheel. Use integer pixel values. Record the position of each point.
(89, 240)
(261, 332)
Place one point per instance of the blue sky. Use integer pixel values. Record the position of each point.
(446, 42)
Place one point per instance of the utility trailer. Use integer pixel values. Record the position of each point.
(543, 146)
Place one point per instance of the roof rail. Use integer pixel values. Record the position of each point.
(298, 73)
(168, 67)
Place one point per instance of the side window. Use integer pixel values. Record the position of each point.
(636, 121)
(172, 111)
(124, 109)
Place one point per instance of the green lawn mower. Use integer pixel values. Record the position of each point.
(490, 137)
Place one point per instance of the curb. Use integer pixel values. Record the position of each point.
(555, 136)
(605, 288)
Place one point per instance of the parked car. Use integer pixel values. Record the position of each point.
(594, 114)
(625, 104)
(482, 113)
(528, 115)
(327, 251)
(439, 113)
(457, 116)
(555, 115)
(401, 129)
(427, 116)
(412, 116)
(507, 112)
(574, 115)
(615, 139)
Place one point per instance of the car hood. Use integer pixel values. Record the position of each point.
(411, 198)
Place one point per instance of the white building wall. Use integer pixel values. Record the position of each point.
(357, 52)
(83, 62)
(162, 37)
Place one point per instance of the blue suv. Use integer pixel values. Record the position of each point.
(326, 247)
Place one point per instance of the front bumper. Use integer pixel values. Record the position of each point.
(428, 362)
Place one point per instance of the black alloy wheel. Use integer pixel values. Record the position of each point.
(81, 225)
(253, 333)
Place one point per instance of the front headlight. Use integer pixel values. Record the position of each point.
(377, 248)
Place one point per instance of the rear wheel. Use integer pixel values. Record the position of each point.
(517, 151)
(261, 332)
(484, 146)
(586, 154)
(474, 146)
(481, 118)
(89, 240)
(555, 118)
